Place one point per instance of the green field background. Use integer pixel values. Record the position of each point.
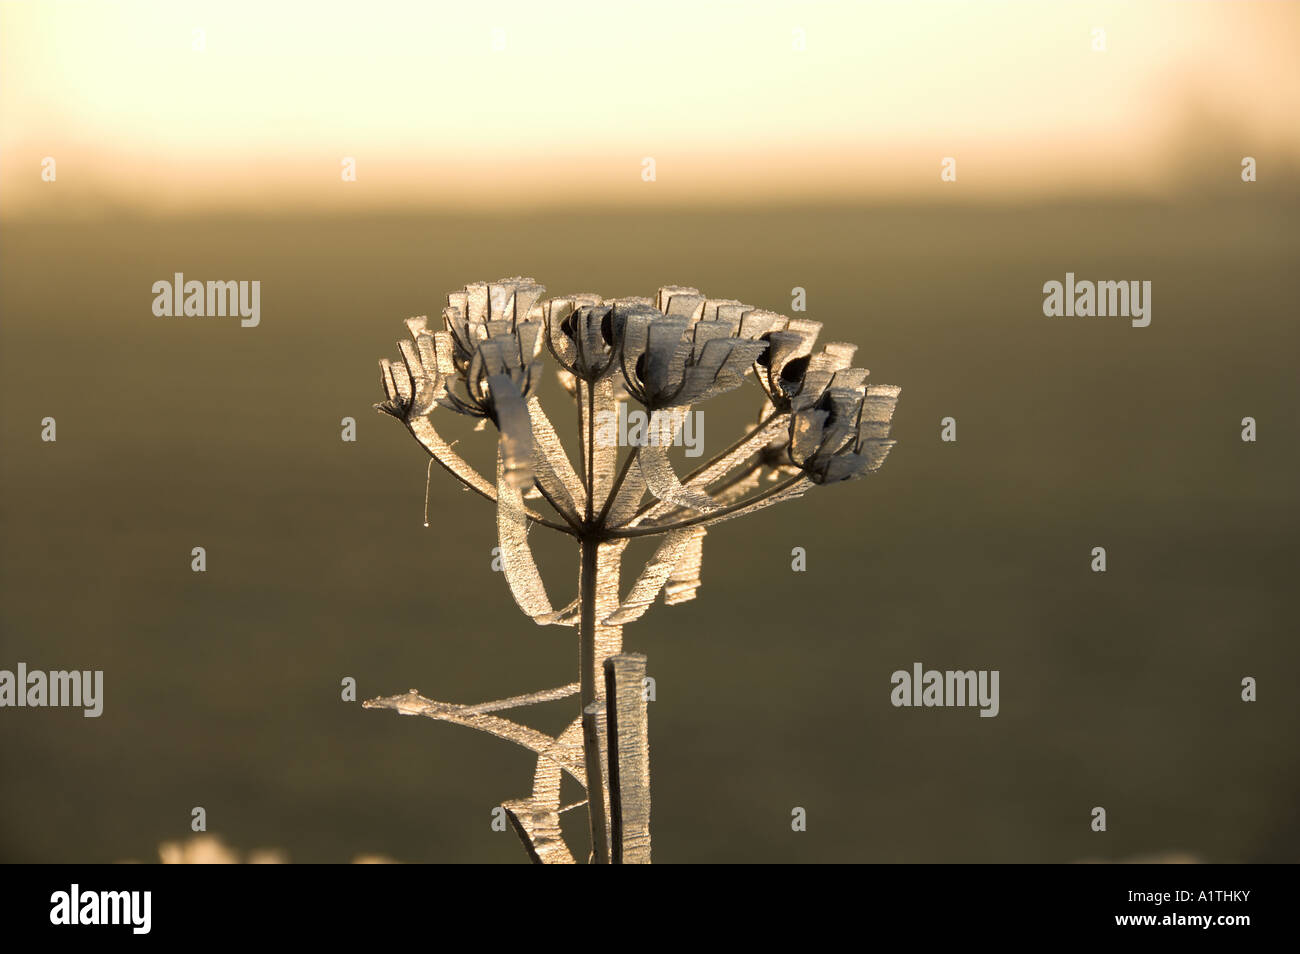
(1119, 689)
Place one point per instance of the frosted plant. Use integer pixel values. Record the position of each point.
(819, 423)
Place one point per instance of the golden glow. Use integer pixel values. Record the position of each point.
(582, 91)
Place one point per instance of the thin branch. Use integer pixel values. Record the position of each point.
(574, 528)
(527, 699)
(458, 467)
(662, 481)
(738, 477)
(543, 745)
(618, 485)
(731, 510)
(718, 460)
(551, 467)
(448, 459)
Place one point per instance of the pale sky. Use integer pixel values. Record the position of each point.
(714, 90)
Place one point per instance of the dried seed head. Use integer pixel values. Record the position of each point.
(845, 434)
(669, 352)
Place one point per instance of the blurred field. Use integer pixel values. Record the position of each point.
(222, 689)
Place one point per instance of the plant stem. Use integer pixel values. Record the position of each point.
(588, 547)
(591, 449)
(589, 669)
